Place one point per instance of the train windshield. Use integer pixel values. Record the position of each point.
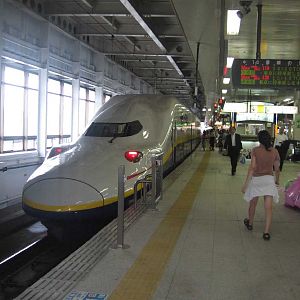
(114, 130)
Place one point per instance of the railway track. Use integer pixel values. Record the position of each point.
(22, 269)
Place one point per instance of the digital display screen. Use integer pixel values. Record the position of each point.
(265, 73)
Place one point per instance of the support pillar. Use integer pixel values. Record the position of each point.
(296, 126)
(42, 112)
(75, 108)
(43, 93)
(99, 88)
(99, 101)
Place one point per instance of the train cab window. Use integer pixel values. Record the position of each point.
(114, 129)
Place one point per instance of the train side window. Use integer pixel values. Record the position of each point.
(114, 129)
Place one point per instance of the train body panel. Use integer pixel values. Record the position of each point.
(81, 178)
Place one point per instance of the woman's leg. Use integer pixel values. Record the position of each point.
(251, 210)
(268, 212)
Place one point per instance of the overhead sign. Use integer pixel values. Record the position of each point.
(235, 107)
(254, 117)
(265, 73)
(254, 107)
(289, 110)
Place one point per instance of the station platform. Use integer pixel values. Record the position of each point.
(195, 245)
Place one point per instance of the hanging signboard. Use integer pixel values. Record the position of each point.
(265, 73)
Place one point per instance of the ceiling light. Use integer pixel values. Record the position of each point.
(233, 22)
(224, 91)
(229, 62)
(226, 80)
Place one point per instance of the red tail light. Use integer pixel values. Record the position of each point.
(58, 150)
(133, 156)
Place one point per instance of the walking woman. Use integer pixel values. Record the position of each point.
(260, 181)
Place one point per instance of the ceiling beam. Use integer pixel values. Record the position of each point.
(149, 31)
(143, 24)
(87, 3)
(107, 9)
(146, 54)
(150, 60)
(111, 21)
(114, 34)
(129, 34)
(133, 43)
(152, 68)
(105, 14)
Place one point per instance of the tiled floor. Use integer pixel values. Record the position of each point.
(215, 257)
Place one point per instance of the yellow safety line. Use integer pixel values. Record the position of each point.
(141, 280)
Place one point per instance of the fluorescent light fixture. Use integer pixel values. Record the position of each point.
(229, 62)
(287, 99)
(233, 22)
(226, 80)
(224, 91)
(204, 109)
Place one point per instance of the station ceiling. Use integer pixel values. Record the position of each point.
(158, 39)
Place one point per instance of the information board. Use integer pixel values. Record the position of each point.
(265, 73)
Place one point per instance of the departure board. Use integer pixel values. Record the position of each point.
(265, 73)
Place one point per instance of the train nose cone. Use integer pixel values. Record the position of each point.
(61, 194)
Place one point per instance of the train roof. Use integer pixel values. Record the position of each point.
(126, 108)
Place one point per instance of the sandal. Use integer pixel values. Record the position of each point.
(266, 236)
(246, 222)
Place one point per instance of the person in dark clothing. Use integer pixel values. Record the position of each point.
(281, 146)
(233, 145)
(212, 137)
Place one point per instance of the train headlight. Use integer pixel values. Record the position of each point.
(133, 156)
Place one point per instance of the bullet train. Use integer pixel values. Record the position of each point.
(76, 186)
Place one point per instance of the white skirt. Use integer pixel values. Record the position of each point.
(261, 186)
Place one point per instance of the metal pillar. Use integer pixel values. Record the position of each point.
(258, 30)
(75, 108)
(99, 97)
(42, 112)
(121, 186)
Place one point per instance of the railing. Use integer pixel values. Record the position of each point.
(152, 192)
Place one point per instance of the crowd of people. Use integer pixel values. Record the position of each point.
(264, 169)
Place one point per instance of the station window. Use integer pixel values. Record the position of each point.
(86, 107)
(107, 97)
(59, 112)
(19, 124)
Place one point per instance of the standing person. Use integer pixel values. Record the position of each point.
(220, 140)
(278, 144)
(233, 145)
(203, 140)
(261, 182)
(212, 137)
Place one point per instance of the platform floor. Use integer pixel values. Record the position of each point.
(195, 245)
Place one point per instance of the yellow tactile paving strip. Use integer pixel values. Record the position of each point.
(141, 280)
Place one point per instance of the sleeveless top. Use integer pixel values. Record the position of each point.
(265, 160)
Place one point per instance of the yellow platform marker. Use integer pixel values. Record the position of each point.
(140, 282)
